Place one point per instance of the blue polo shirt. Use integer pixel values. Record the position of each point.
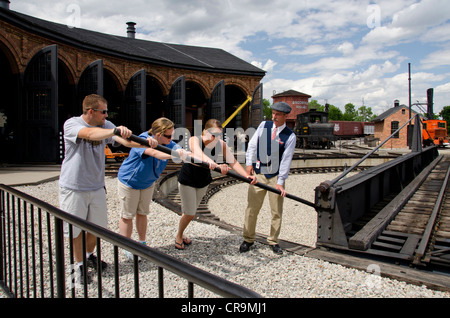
(139, 170)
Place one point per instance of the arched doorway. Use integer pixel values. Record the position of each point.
(9, 110)
(186, 102)
(114, 95)
(144, 102)
(39, 119)
(195, 104)
(234, 98)
(67, 105)
(155, 100)
(91, 81)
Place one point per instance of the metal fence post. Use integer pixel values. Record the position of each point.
(59, 257)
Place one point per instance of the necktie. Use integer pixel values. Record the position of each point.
(274, 133)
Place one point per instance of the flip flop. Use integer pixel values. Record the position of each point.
(179, 246)
(187, 241)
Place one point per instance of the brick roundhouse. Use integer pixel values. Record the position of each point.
(48, 68)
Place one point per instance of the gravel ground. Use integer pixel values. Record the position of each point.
(216, 250)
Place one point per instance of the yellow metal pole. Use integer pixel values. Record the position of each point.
(237, 111)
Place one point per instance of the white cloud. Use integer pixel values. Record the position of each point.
(346, 48)
(324, 48)
(411, 23)
(436, 59)
(268, 66)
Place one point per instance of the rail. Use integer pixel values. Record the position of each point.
(342, 202)
(33, 254)
(424, 242)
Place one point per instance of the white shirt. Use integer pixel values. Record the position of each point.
(83, 168)
(286, 159)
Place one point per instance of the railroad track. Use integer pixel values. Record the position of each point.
(419, 233)
(398, 241)
(437, 251)
(402, 235)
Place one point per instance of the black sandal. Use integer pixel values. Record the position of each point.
(179, 246)
(187, 241)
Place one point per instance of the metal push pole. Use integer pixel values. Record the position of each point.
(173, 153)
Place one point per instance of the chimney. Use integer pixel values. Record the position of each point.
(131, 30)
(4, 4)
(430, 113)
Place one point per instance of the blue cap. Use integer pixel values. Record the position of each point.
(282, 107)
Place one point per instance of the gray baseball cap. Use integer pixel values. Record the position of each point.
(282, 107)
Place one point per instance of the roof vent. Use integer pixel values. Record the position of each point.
(131, 30)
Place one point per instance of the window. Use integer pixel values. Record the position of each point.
(394, 127)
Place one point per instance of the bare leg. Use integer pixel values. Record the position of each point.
(184, 222)
(141, 226)
(91, 242)
(125, 227)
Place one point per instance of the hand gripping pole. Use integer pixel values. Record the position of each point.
(144, 142)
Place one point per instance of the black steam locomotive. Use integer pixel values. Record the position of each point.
(313, 130)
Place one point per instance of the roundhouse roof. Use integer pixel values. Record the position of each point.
(167, 54)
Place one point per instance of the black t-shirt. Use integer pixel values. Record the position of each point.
(197, 176)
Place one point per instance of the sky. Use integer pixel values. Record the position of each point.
(338, 52)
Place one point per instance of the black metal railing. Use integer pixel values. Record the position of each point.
(34, 253)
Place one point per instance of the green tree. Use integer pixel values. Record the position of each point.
(350, 112)
(314, 104)
(334, 113)
(445, 114)
(364, 114)
(267, 110)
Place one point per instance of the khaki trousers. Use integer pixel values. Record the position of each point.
(255, 199)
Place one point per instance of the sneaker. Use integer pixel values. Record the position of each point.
(93, 260)
(77, 276)
(245, 247)
(130, 255)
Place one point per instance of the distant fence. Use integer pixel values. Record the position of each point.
(36, 261)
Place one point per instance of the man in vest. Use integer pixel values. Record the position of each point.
(269, 155)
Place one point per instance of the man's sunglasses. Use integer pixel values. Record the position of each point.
(103, 111)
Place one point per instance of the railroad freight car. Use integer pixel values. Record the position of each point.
(348, 129)
(352, 129)
(369, 129)
(313, 130)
